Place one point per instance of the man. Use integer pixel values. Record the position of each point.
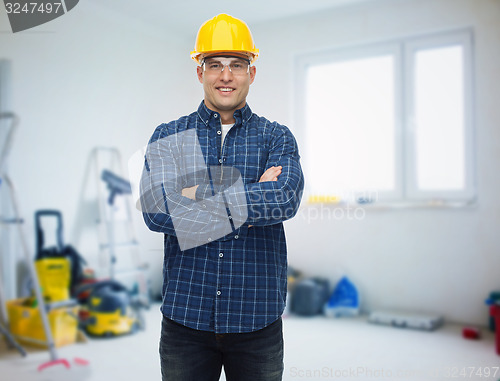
(219, 183)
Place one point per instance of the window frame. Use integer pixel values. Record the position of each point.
(464, 39)
(402, 49)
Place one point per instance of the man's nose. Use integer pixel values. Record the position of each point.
(226, 72)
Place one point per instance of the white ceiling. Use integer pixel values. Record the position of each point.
(187, 16)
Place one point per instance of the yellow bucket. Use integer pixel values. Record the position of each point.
(26, 323)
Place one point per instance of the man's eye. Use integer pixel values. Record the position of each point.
(214, 65)
(236, 65)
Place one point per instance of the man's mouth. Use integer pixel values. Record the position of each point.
(225, 89)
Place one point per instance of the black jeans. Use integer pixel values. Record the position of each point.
(190, 355)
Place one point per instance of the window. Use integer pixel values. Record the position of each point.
(389, 121)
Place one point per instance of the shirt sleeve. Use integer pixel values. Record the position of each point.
(167, 170)
(272, 202)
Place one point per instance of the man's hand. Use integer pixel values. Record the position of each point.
(271, 174)
(190, 192)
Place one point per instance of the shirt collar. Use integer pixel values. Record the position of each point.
(241, 115)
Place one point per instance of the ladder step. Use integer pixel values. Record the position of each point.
(131, 271)
(120, 244)
(62, 304)
(9, 221)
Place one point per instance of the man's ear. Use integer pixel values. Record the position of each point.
(199, 72)
(253, 71)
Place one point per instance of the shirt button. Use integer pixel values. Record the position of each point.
(218, 292)
(220, 161)
(219, 132)
(236, 236)
(216, 115)
(209, 239)
(221, 255)
(230, 217)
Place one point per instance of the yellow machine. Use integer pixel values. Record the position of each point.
(111, 310)
(110, 324)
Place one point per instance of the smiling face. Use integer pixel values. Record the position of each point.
(225, 91)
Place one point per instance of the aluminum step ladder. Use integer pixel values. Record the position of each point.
(18, 222)
(6, 222)
(119, 249)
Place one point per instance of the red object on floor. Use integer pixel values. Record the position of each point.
(54, 362)
(495, 312)
(471, 333)
(80, 361)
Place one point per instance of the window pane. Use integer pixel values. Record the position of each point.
(350, 126)
(439, 119)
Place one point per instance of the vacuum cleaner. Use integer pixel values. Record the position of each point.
(111, 310)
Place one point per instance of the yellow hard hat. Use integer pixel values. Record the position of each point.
(224, 33)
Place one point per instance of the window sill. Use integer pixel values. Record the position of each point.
(393, 205)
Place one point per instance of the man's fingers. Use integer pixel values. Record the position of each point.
(271, 174)
(274, 169)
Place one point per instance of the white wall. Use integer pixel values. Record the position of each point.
(89, 78)
(437, 260)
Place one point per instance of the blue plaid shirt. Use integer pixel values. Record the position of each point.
(236, 283)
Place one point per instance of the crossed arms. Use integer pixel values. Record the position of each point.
(170, 198)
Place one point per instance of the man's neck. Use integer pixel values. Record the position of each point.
(227, 117)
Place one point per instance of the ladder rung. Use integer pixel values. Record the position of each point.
(12, 221)
(130, 271)
(121, 244)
